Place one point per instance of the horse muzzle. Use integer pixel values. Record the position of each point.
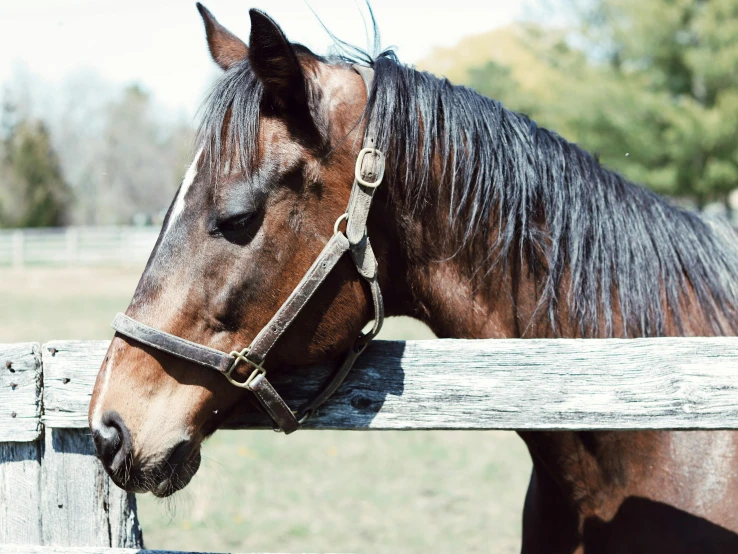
(171, 472)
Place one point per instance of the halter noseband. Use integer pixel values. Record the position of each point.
(368, 176)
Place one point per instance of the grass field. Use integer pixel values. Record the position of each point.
(309, 492)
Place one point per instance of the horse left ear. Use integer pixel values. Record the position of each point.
(275, 63)
(225, 47)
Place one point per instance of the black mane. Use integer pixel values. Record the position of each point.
(599, 243)
(595, 241)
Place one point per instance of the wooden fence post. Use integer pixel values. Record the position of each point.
(81, 506)
(53, 490)
(71, 239)
(20, 449)
(18, 246)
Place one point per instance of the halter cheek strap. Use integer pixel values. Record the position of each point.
(368, 175)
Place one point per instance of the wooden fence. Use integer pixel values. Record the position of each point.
(54, 493)
(76, 246)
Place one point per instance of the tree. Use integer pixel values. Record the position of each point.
(120, 152)
(133, 164)
(33, 192)
(649, 85)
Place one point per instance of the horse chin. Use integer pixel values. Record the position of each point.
(177, 477)
(168, 487)
(162, 480)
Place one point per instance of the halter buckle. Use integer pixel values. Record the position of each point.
(378, 162)
(239, 357)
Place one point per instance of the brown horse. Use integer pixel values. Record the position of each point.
(485, 226)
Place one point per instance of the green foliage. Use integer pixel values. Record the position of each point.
(651, 86)
(121, 153)
(33, 192)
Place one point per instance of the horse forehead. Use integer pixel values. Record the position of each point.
(342, 90)
(278, 150)
(278, 154)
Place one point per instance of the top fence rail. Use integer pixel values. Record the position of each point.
(76, 246)
(534, 385)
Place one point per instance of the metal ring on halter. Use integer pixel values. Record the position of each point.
(238, 357)
(360, 162)
(338, 223)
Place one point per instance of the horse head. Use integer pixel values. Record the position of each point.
(267, 190)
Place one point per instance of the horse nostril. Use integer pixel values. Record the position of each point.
(112, 441)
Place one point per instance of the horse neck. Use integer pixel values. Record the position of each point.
(577, 475)
(433, 281)
(449, 288)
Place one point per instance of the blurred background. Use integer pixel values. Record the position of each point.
(98, 104)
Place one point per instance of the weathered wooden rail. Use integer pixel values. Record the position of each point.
(53, 491)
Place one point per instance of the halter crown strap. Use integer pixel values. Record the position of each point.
(322, 266)
(368, 176)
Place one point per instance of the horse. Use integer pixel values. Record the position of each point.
(485, 225)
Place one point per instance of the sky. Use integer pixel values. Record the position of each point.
(160, 44)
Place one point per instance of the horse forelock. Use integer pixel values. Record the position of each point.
(229, 120)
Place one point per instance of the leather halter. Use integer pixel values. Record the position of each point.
(368, 175)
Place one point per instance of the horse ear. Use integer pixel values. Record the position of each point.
(225, 47)
(275, 63)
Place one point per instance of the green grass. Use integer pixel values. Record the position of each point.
(314, 491)
(44, 304)
(345, 491)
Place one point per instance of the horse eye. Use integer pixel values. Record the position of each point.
(235, 224)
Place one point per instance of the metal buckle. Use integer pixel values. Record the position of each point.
(238, 357)
(359, 163)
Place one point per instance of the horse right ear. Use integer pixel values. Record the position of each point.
(225, 47)
(275, 63)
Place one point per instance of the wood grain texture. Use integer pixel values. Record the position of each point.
(20, 392)
(76, 496)
(20, 492)
(125, 530)
(70, 369)
(669, 383)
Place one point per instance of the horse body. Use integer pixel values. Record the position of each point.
(486, 227)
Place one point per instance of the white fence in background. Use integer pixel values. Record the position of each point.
(76, 246)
